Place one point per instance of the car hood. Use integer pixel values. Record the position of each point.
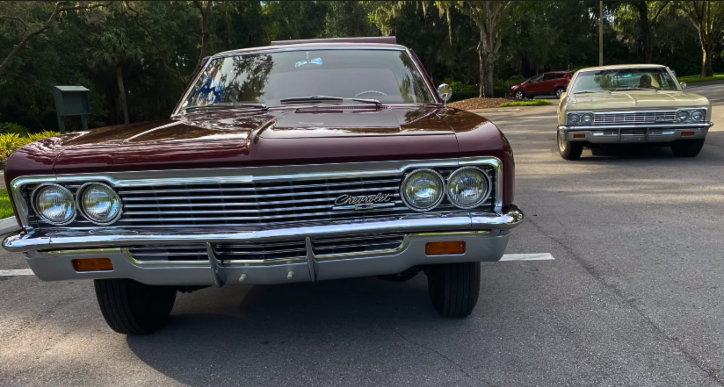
(299, 136)
(634, 99)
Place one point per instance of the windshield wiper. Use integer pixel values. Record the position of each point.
(587, 91)
(311, 98)
(225, 105)
(368, 100)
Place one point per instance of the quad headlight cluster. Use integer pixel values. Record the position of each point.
(466, 188)
(580, 118)
(697, 115)
(96, 202)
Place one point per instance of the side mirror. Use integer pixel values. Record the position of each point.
(683, 85)
(445, 92)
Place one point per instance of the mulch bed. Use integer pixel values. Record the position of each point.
(478, 103)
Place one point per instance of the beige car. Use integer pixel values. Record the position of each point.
(631, 104)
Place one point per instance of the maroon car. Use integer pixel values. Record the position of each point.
(553, 83)
(290, 163)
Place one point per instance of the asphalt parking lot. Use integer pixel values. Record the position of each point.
(635, 296)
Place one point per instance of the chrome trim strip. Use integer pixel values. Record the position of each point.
(72, 239)
(258, 174)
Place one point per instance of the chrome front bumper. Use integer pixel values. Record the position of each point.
(610, 134)
(49, 254)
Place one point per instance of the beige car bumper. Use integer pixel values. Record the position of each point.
(635, 133)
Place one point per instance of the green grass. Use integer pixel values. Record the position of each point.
(535, 102)
(696, 78)
(6, 209)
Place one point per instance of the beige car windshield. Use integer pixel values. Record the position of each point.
(623, 79)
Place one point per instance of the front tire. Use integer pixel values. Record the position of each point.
(454, 288)
(519, 94)
(133, 308)
(569, 150)
(559, 92)
(687, 148)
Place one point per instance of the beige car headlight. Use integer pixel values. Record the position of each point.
(574, 119)
(99, 203)
(698, 115)
(54, 204)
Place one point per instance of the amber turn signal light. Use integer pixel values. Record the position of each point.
(580, 135)
(687, 134)
(92, 264)
(444, 248)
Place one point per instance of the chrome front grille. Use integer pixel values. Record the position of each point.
(632, 118)
(255, 204)
(269, 252)
(357, 244)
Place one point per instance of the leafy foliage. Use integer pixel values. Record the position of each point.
(157, 45)
(11, 142)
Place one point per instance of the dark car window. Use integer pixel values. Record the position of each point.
(550, 76)
(389, 76)
(535, 79)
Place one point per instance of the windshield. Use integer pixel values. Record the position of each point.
(388, 76)
(656, 78)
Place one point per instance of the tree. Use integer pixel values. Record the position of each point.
(115, 49)
(648, 15)
(59, 8)
(708, 18)
(487, 16)
(348, 19)
(205, 9)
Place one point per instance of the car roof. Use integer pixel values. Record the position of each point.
(313, 46)
(622, 66)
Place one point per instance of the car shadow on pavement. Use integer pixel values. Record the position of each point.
(262, 333)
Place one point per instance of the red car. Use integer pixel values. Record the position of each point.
(553, 83)
(297, 162)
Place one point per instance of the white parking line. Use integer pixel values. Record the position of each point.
(527, 257)
(13, 273)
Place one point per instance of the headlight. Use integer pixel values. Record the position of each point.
(468, 187)
(573, 119)
(99, 203)
(587, 118)
(682, 115)
(422, 190)
(697, 115)
(54, 204)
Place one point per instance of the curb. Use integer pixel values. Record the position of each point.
(8, 225)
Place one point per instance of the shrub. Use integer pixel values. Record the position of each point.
(9, 127)
(11, 142)
(535, 102)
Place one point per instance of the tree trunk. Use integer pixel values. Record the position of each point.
(481, 84)
(205, 12)
(600, 34)
(706, 69)
(122, 90)
(644, 30)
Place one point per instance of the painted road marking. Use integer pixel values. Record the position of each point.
(12, 273)
(527, 257)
